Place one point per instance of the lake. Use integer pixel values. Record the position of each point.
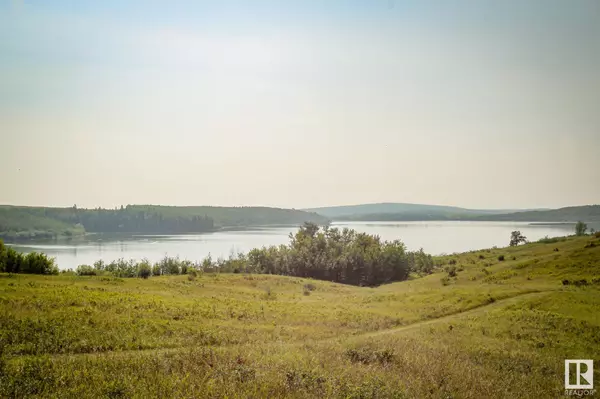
(433, 237)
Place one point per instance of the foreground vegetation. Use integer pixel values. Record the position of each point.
(22, 223)
(492, 323)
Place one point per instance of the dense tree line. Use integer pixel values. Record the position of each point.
(12, 261)
(36, 222)
(130, 220)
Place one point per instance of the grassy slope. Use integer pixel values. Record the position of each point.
(511, 325)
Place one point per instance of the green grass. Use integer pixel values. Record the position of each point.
(497, 329)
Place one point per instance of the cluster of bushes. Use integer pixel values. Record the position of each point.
(343, 256)
(12, 261)
(331, 254)
(143, 269)
(551, 240)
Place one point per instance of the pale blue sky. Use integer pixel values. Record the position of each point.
(300, 103)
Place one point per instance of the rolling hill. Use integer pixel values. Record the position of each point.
(419, 212)
(495, 323)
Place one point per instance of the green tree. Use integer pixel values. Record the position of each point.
(517, 238)
(580, 228)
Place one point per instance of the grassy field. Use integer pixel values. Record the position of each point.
(497, 329)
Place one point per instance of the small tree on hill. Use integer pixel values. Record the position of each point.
(580, 228)
(517, 238)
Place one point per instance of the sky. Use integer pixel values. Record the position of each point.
(481, 104)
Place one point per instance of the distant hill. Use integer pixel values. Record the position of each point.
(418, 212)
(18, 223)
(402, 211)
(586, 213)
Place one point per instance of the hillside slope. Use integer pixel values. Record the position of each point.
(402, 211)
(478, 327)
(586, 213)
(415, 212)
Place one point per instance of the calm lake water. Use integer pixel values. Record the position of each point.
(433, 237)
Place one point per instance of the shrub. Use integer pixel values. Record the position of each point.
(99, 265)
(12, 261)
(597, 234)
(445, 280)
(170, 265)
(580, 228)
(369, 356)
(501, 258)
(156, 270)
(580, 283)
(452, 271)
(452, 262)
(86, 270)
(144, 270)
(310, 287)
(566, 282)
(481, 257)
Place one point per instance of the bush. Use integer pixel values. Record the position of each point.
(144, 270)
(580, 228)
(452, 271)
(170, 265)
(86, 270)
(580, 283)
(481, 257)
(310, 287)
(597, 234)
(369, 356)
(501, 258)
(452, 262)
(12, 261)
(445, 280)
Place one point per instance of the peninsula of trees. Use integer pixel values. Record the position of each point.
(18, 223)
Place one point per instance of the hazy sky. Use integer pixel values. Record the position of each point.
(489, 104)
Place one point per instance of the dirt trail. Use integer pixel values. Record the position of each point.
(482, 309)
(471, 312)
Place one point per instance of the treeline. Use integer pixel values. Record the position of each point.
(331, 254)
(12, 261)
(323, 253)
(588, 213)
(131, 220)
(36, 222)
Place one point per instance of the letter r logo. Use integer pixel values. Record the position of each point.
(583, 371)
